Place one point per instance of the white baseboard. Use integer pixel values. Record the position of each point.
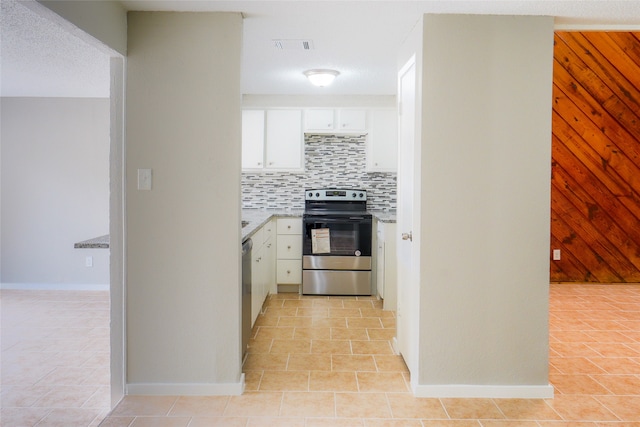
(187, 389)
(485, 391)
(54, 286)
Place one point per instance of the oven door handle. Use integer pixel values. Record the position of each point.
(342, 219)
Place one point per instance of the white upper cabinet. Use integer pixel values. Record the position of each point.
(352, 120)
(331, 120)
(382, 142)
(284, 139)
(321, 120)
(272, 139)
(252, 139)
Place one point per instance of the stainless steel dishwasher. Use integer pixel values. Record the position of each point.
(246, 294)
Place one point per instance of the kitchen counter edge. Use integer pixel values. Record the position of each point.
(384, 216)
(101, 242)
(257, 218)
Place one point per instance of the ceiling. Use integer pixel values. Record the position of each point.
(358, 38)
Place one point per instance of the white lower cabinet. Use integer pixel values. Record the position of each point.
(289, 252)
(262, 268)
(276, 259)
(386, 264)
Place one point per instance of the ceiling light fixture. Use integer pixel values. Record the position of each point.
(321, 77)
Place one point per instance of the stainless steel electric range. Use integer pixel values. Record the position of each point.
(336, 242)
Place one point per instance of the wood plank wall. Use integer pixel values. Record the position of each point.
(595, 185)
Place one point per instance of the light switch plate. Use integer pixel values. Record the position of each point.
(144, 179)
(556, 254)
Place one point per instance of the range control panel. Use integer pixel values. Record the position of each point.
(336, 194)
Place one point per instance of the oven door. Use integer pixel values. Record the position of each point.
(333, 235)
(336, 254)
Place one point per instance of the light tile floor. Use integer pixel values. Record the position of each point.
(55, 358)
(318, 361)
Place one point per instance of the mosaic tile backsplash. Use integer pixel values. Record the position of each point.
(330, 161)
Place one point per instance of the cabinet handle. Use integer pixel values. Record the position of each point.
(289, 227)
(288, 271)
(289, 247)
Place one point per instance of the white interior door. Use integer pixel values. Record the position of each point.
(407, 292)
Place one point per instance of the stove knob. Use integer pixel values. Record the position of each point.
(317, 194)
(353, 195)
(310, 194)
(361, 195)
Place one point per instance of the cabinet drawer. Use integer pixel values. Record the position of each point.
(289, 272)
(289, 225)
(289, 246)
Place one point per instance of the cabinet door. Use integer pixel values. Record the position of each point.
(257, 282)
(382, 142)
(284, 139)
(321, 120)
(252, 139)
(351, 120)
(269, 257)
(390, 268)
(268, 230)
(380, 272)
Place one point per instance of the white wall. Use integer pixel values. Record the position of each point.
(485, 201)
(183, 121)
(55, 191)
(117, 231)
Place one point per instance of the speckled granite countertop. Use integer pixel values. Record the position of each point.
(101, 242)
(384, 216)
(256, 218)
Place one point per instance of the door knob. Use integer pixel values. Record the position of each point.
(407, 236)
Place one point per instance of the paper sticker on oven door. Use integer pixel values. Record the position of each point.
(320, 241)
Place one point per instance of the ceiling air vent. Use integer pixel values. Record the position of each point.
(295, 44)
